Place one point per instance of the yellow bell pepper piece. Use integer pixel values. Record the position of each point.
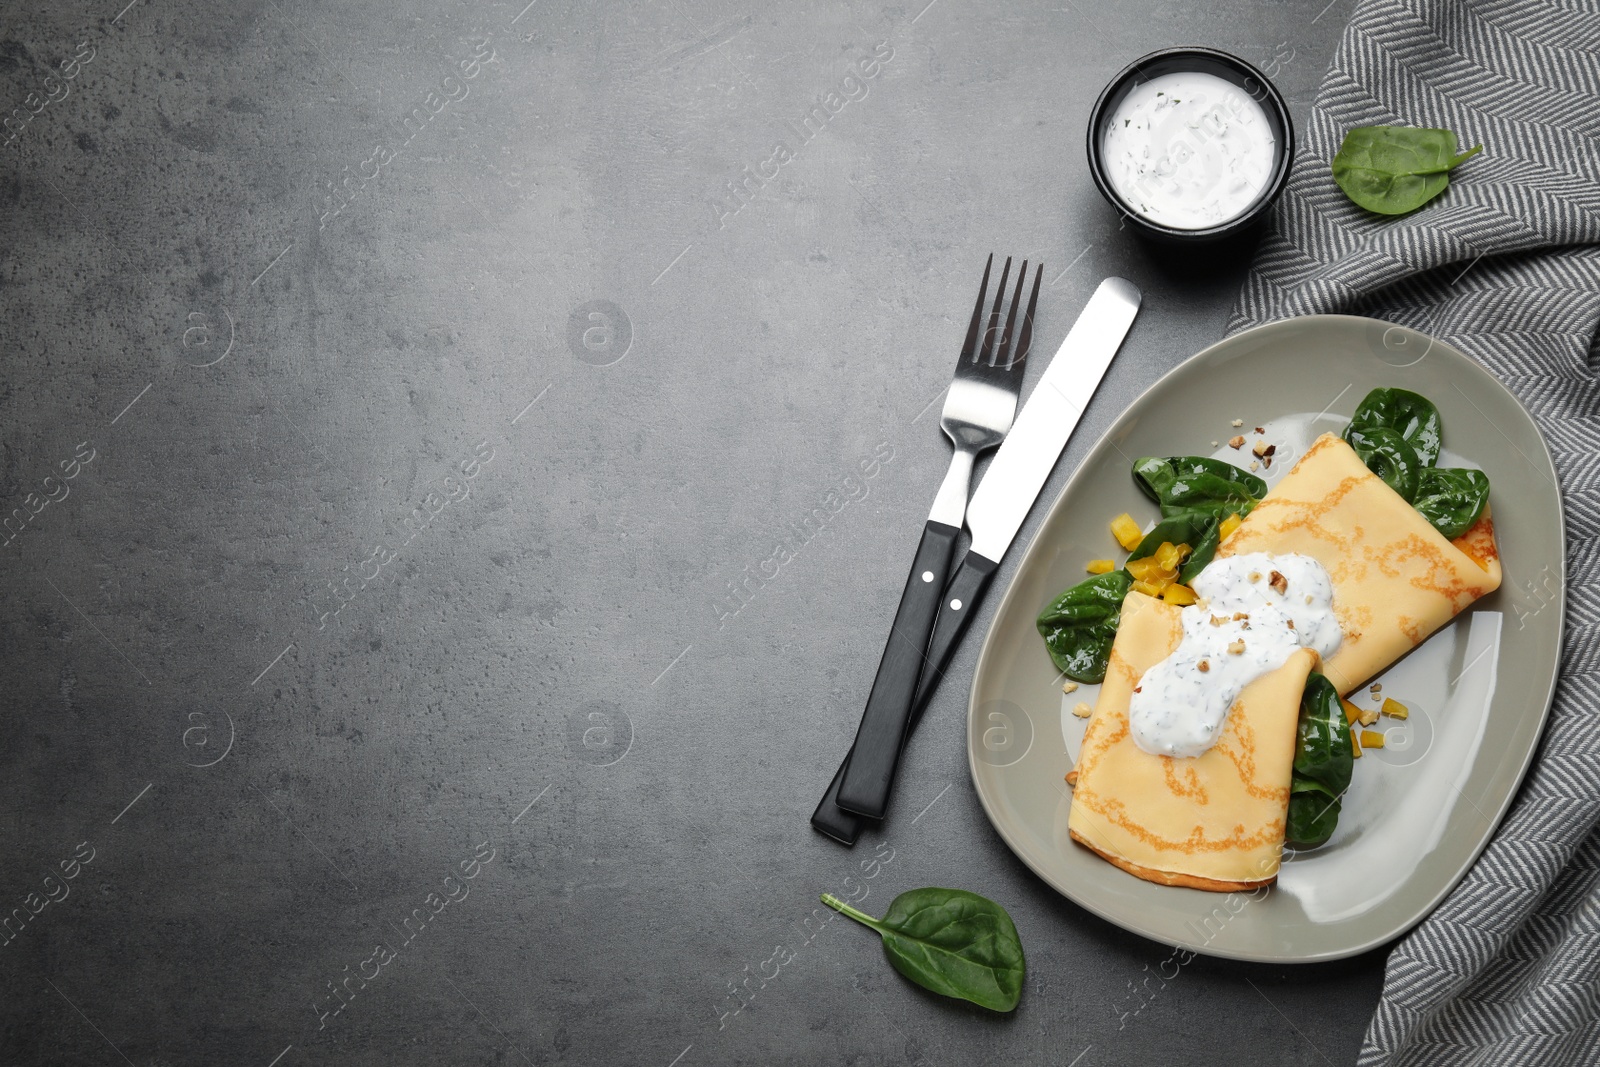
(1170, 556)
(1101, 566)
(1146, 588)
(1352, 714)
(1179, 594)
(1355, 745)
(1126, 531)
(1371, 738)
(1229, 524)
(1394, 709)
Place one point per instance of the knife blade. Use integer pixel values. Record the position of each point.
(1000, 506)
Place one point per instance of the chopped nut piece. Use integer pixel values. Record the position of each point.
(1236, 442)
(1255, 464)
(1272, 450)
(1237, 647)
(1069, 687)
(1289, 623)
(1072, 777)
(1260, 430)
(1308, 598)
(1368, 718)
(1266, 462)
(1218, 620)
(1237, 422)
(1376, 687)
(1203, 666)
(1259, 448)
(1254, 576)
(1213, 444)
(1394, 709)
(1081, 710)
(1240, 616)
(1138, 689)
(1279, 583)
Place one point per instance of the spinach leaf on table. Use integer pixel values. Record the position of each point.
(1452, 498)
(1409, 414)
(1323, 764)
(952, 942)
(1198, 483)
(1393, 170)
(1079, 626)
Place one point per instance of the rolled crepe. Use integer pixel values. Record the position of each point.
(1395, 578)
(1213, 821)
(1216, 821)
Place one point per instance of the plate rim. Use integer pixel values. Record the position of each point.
(1403, 926)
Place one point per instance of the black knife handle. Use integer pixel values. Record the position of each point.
(887, 718)
(966, 589)
(961, 599)
(829, 818)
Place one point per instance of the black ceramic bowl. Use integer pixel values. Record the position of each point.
(1206, 61)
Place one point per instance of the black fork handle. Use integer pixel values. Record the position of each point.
(887, 718)
(958, 605)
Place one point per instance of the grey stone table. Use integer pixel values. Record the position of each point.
(395, 397)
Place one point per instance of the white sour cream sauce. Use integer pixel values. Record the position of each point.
(1178, 709)
(1189, 150)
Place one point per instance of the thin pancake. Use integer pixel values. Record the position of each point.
(1214, 821)
(1395, 578)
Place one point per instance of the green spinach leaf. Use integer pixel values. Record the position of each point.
(952, 942)
(1452, 498)
(1323, 764)
(1198, 529)
(1198, 483)
(1409, 414)
(1387, 455)
(1079, 625)
(1322, 740)
(1312, 817)
(1393, 170)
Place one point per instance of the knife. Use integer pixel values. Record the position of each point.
(1000, 506)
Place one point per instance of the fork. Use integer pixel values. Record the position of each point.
(977, 413)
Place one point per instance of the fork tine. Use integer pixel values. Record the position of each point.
(977, 314)
(1002, 360)
(984, 358)
(1025, 342)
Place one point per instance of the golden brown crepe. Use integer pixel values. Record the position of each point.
(1395, 578)
(1214, 821)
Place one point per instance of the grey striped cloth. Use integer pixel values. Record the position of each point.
(1506, 267)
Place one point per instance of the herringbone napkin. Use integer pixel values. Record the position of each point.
(1506, 267)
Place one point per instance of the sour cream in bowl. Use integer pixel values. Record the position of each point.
(1190, 144)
